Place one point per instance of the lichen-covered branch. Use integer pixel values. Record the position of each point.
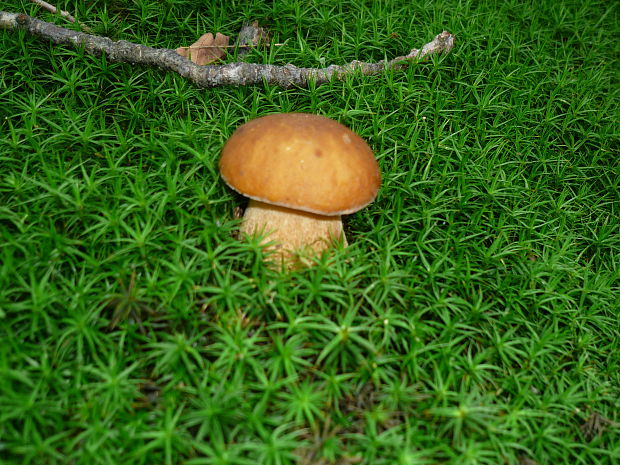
(235, 74)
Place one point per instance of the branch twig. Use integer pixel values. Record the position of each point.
(54, 10)
(237, 74)
(196, 47)
(65, 14)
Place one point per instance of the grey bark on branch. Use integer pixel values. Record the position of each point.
(235, 74)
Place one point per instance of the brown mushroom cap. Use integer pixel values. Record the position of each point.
(301, 161)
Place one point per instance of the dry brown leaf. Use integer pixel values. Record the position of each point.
(595, 426)
(206, 50)
(251, 35)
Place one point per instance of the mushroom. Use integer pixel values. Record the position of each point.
(301, 173)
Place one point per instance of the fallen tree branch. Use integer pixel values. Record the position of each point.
(236, 74)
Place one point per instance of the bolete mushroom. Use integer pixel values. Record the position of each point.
(301, 173)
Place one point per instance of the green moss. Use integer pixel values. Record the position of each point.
(473, 320)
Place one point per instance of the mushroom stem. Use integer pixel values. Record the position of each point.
(291, 232)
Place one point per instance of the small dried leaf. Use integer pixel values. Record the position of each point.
(206, 49)
(251, 35)
(525, 460)
(595, 425)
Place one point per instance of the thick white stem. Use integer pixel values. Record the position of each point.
(291, 234)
